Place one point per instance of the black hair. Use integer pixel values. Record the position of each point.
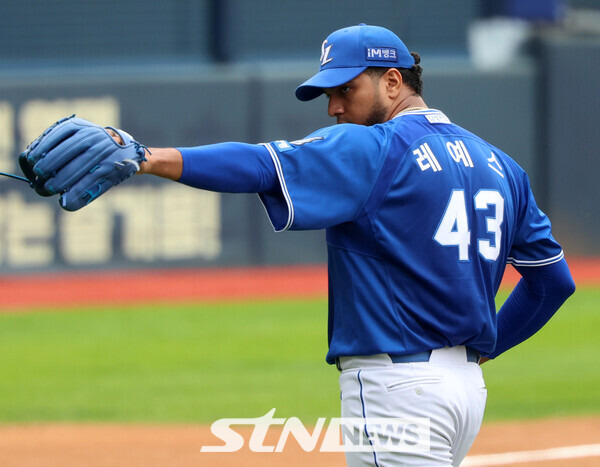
(410, 76)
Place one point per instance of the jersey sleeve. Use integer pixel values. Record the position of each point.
(324, 179)
(535, 299)
(534, 244)
(228, 168)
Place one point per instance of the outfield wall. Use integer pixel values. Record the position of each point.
(534, 111)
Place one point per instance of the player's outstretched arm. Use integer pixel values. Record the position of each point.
(162, 162)
(79, 161)
(224, 167)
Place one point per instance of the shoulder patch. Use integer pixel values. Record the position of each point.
(283, 145)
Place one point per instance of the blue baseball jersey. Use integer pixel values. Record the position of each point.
(421, 217)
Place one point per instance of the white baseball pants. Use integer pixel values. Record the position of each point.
(448, 392)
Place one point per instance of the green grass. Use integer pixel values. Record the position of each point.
(193, 363)
(554, 373)
(199, 363)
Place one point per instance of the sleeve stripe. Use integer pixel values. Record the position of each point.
(284, 189)
(535, 263)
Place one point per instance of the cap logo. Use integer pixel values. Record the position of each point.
(325, 53)
(388, 54)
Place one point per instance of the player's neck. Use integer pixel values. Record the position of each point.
(410, 102)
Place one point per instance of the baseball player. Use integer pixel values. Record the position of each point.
(421, 217)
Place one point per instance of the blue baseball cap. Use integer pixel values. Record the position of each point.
(347, 52)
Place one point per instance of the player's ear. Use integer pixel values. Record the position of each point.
(393, 82)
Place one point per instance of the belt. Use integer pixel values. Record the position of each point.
(473, 356)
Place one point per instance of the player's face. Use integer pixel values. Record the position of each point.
(358, 101)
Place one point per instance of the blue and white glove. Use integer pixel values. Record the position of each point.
(79, 161)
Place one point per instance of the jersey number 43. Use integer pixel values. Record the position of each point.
(454, 229)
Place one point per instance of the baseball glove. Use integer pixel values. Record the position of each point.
(79, 161)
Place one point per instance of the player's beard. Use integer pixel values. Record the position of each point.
(378, 111)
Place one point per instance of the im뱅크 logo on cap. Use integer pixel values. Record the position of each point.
(389, 54)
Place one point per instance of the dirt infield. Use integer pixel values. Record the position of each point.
(161, 286)
(166, 446)
(187, 285)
